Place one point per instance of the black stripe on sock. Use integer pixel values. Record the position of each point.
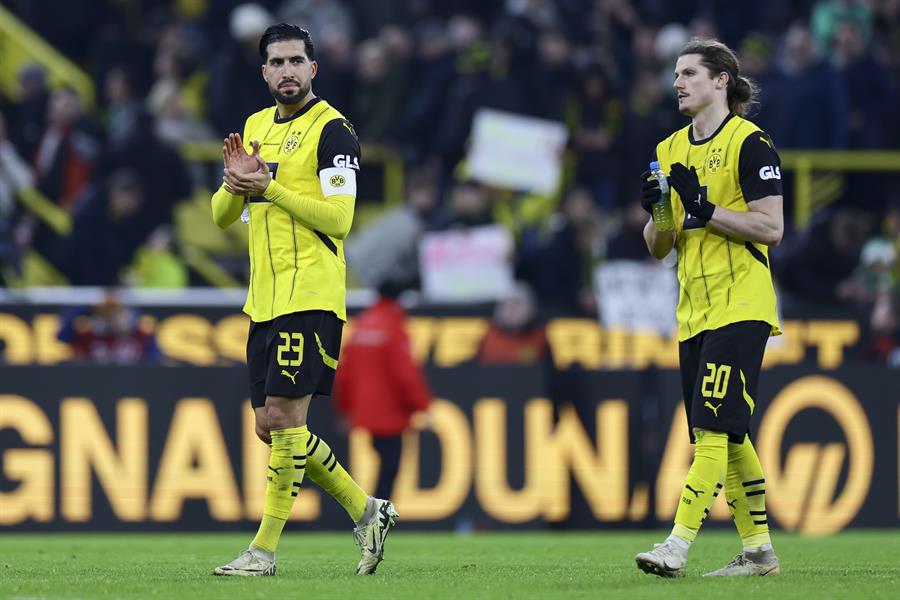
(755, 482)
(300, 465)
(293, 494)
(333, 465)
(758, 513)
(718, 486)
(763, 522)
(301, 457)
(314, 446)
(296, 484)
(756, 493)
(327, 458)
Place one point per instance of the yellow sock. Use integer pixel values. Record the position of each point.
(325, 471)
(745, 492)
(701, 484)
(287, 464)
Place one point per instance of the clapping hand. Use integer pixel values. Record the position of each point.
(687, 183)
(245, 174)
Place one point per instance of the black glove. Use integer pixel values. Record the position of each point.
(687, 184)
(650, 191)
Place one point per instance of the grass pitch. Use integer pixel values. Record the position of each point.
(432, 566)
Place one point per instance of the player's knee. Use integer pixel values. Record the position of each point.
(263, 434)
(283, 412)
(262, 425)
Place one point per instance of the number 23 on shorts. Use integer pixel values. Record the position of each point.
(290, 343)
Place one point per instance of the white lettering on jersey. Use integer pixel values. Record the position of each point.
(345, 160)
(770, 173)
(336, 180)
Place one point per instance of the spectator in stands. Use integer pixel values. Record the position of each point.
(557, 263)
(755, 53)
(14, 176)
(558, 72)
(106, 231)
(814, 102)
(68, 150)
(317, 16)
(816, 265)
(471, 205)
(433, 70)
(123, 105)
(109, 333)
(388, 248)
(334, 79)
(378, 385)
(237, 67)
(28, 114)
(869, 92)
(502, 78)
(828, 16)
(515, 336)
(596, 138)
(647, 119)
(626, 239)
(379, 91)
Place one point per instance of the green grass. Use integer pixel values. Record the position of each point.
(431, 566)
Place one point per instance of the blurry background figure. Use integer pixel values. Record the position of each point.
(156, 265)
(378, 386)
(109, 333)
(237, 67)
(515, 336)
(557, 261)
(388, 248)
(28, 112)
(14, 176)
(816, 266)
(814, 96)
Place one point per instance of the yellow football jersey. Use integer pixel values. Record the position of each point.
(293, 266)
(722, 279)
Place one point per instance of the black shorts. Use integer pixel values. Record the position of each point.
(719, 376)
(293, 355)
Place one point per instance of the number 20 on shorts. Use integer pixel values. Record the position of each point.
(717, 376)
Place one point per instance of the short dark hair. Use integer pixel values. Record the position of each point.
(282, 32)
(719, 58)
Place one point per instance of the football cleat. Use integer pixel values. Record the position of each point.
(249, 563)
(370, 535)
(666, 560)
(750, 564)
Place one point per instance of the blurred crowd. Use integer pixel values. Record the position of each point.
(410, 75)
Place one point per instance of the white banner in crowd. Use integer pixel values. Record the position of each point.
(512, 151)
(635, 296)
(466, 265)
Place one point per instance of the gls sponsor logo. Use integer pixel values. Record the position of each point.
(346, 161)
(766, 173)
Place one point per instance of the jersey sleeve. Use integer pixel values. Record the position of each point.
(338, 146)
(759, 168)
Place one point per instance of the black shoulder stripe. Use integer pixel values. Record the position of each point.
(754, 251)
(329, 243)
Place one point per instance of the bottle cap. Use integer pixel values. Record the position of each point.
(654, 165)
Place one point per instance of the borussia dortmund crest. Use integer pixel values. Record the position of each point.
(291, 144)
(714, 160)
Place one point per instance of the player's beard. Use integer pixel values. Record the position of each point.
(281, 98)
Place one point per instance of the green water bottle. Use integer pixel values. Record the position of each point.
(662, 208)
